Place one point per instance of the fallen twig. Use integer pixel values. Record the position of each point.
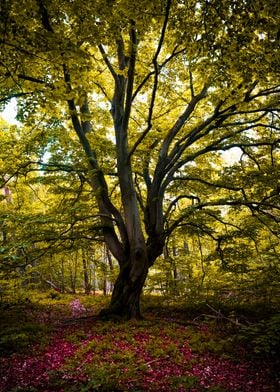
(220, 315)
(78, 319)
(155, 360)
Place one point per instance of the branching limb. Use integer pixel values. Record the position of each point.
(181, 121)
(155, 84)
(252, 205)
(208, 183)
(175, 53)
(175, 202)
(99, 186)
(108, 63)
(130, 77)
(15, 95)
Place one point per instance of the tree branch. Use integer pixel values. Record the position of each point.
(214, 185)
(99, 186)
(160, 66)
(108, 63)
(15, 95)
(155, 85)
(252, 205)
(130, 78)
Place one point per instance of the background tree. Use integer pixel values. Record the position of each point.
(154, 92)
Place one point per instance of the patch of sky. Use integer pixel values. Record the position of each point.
(10, 112)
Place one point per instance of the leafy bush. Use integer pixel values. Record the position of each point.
(263, 336)
(217, 344)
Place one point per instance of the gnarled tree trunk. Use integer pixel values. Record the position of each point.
(125, 301)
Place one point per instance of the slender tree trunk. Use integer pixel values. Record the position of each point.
(87, 285)
(62, 277)
(110, 263)
(73, 274)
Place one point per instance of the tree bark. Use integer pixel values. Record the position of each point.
(125, 301)
(87, 285)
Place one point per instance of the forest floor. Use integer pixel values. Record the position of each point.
(59, 344)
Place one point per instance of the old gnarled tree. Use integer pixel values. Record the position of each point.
(166, 84)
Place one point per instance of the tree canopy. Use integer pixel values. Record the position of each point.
(141, 102)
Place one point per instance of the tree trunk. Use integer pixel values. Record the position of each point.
(87, 285)
(125, 301)
(110, 263)
(128, 245)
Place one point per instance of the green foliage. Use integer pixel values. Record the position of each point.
(178, 382)
(263, 336)
(20, 338)
(214, 343)
(216, 388)
(54, 295)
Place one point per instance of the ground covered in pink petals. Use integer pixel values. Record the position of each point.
(86, 354)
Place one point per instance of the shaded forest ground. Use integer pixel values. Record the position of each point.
(52, 342)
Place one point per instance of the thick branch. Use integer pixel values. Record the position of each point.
(45, 18)
(15, 95)
(218, 145)
(181, 121)
(130, 78)
(99, 186)
(252, 205)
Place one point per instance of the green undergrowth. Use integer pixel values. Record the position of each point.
(263, 336)
(20, 338)
(19, 329)
(255, 326)
(161, 350)
(32, 319)
(217, 328)
(117, 355)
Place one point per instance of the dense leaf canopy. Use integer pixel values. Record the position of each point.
(144, 102)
